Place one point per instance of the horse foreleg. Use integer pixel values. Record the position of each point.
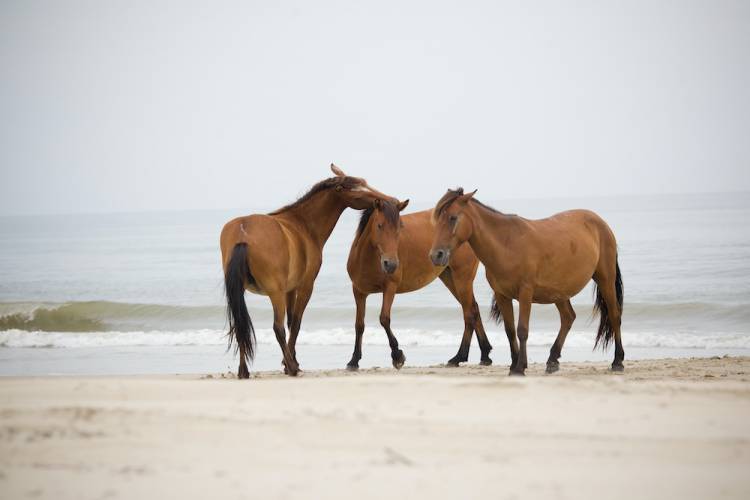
(359, 328)
(524, 313)
(278, 300)
(397, 355)
(567, 316)
(466, 306)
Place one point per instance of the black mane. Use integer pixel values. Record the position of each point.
(491, 209)
(345, 182)
(453, 195)
(390, 211)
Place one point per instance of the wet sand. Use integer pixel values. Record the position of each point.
(663, 429)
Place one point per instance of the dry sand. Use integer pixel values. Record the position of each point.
(663, 429)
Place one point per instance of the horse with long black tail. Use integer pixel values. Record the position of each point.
(279, 255)
(544, 261)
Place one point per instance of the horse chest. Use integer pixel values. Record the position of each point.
(504, 287)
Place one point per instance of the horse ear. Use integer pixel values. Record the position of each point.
(402, 205)
(336, 170)
(465, 198)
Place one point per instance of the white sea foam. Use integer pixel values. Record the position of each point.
(345, 336)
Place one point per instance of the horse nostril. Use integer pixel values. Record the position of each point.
(440, 254)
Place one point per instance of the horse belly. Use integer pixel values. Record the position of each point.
(565, 278)
(416, 283)
(256, 290)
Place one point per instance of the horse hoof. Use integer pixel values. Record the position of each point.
(243, 373)
(453, 363)
(617, 368)
(486, 362)
(293, 371)
(552, 367)
(516, 373)
(399, 360)
(352, 368)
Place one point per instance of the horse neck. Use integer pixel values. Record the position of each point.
(489, 234)
(360, 250)
(362, 240)
(317, 216)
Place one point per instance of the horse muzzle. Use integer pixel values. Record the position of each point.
(440, 257)
(389, 265)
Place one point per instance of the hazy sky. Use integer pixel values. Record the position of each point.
(111, 106)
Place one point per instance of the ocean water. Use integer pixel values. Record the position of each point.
(142, 292)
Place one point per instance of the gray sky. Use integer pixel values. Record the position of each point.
(111, 106)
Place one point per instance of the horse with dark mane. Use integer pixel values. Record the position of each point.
(389, 255)
(279, 255)
(545, 261)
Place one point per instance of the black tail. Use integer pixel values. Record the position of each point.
(605, 332)
(240, 326)
(495, 313)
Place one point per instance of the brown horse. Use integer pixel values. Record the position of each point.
(389, 255)
(545, 261)
(279, 255)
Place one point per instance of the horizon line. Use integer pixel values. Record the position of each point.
(413, 202)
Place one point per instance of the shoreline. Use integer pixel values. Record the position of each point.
(662, 428)
(166, 360)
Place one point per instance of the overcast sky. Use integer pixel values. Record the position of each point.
(118, 106)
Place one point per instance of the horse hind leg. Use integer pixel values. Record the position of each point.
(291, 297)
(302, 297)
(484, 343)
(502, 310)
(567, 317)
(615, 320)
(609, 301)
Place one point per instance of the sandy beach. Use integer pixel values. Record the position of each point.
(672, 428)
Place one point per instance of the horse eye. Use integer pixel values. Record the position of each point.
(453, 219)
(380, 226)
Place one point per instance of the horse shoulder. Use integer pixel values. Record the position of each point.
(363, 267)
(464, 261)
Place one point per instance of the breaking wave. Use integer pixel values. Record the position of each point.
(101, 323)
